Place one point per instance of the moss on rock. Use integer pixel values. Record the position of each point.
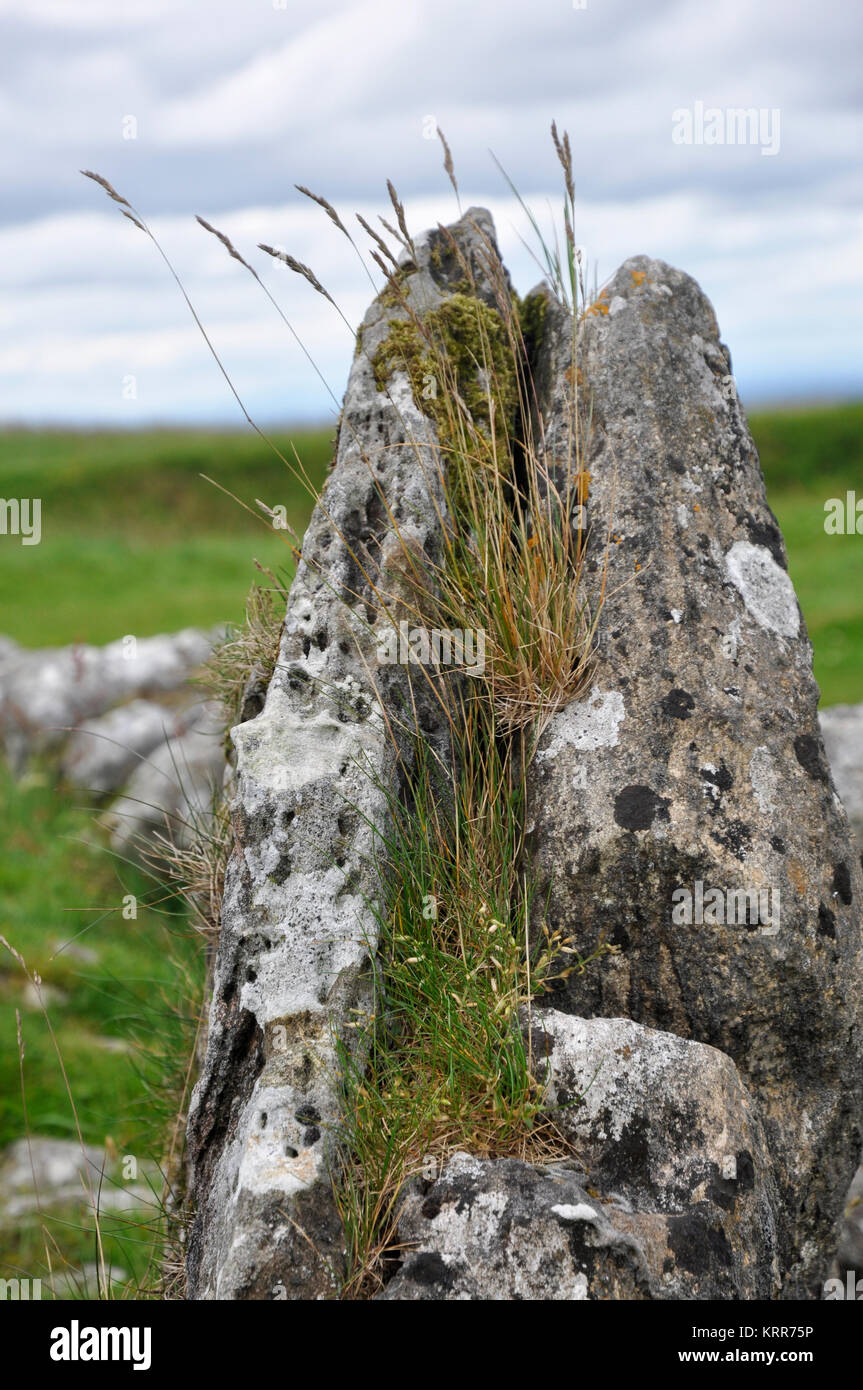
(532, 313)
(466, 342)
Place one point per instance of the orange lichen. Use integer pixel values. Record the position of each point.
(598, 306)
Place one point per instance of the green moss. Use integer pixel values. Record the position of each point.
(532, 314)
(468, 348)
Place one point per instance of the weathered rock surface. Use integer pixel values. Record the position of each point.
(44, 694)
(850, 1254)
(503, 1229)
(103, 753)
(10, 652)
(697, 755)
(88, 1282)
(667, 1131)
(298, 926)
(172, 792)
(49, 1165)
(39, 1172)
(670, 1193)
(842, 731)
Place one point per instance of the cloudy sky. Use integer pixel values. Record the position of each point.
(219, 107)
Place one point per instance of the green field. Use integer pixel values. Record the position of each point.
(134, 541)
(810, 456)
(122, 995)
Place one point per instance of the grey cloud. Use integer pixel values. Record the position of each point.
(235, 102)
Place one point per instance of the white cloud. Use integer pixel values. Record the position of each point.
(100, 305)
(300, 83)
(236, 101)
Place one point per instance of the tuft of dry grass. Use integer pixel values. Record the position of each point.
(514, 543)
(195, 865)
(249, 651)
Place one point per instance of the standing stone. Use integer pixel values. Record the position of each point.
(842, 731)
(709, 1072)
(697, 757)
(294, 976)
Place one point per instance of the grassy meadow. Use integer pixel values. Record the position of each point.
(135, 541)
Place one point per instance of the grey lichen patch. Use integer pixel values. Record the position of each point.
(282, 749)
(578, 1211)
(586, 725)
(764, 777)
(276, 1158)
(765, 588)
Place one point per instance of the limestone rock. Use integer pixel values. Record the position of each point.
(50, 1165)
(670, 1193)
(102, 753)
(39, 1173)
(171, 793)
(10, 652)
(45, 694)
(696, 757)
(87, 1282)
(294, 964)
(504, 1229)
(850, 1255)
(667, 1131)
(717, 1065)
(842, 731)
